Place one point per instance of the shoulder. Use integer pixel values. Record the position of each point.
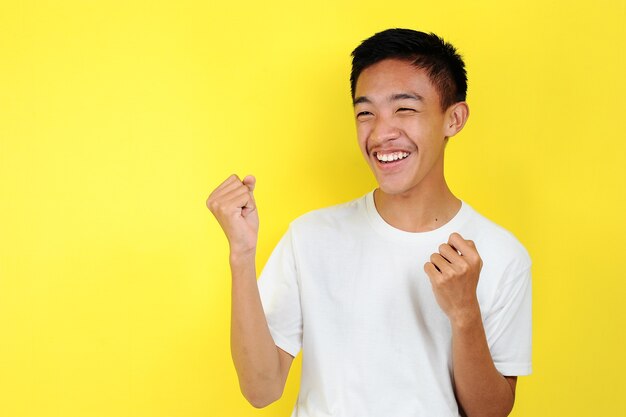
(494, 242)
(333, 218)
(323, 233)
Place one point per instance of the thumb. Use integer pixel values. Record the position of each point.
(249, 181)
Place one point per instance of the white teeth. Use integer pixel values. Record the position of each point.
(394, 156)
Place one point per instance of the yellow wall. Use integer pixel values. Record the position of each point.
(118, 118)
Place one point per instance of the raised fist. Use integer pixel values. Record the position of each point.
(232, 204)
(453, 273)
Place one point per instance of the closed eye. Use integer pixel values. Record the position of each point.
(406, 109)
(362, 114)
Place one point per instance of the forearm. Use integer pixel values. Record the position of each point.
(253, 350)
(480, 389)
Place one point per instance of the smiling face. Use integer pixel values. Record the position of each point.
(401, 127)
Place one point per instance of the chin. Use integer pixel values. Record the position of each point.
(393, 189)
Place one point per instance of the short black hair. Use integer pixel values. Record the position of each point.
(427, 51)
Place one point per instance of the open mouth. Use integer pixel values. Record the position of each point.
(390, 157)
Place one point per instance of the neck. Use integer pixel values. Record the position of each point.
(420, 209)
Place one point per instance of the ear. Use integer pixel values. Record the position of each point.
(455, 118)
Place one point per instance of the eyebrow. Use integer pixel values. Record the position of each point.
(360, 100)
(393, 97)
(404, 96)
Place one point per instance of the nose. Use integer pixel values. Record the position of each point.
(384, 130)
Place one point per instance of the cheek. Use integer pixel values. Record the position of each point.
(414, 128)
(362, 133)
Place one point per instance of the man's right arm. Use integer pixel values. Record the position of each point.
(261, 366)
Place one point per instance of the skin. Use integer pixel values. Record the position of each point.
(397, 109)
(261, 366)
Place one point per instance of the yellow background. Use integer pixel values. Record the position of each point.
(117, 119)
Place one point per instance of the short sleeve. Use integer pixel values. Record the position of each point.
(508, 325)
(280, 296)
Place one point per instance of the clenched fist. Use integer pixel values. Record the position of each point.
(232, 204)
(453, 273)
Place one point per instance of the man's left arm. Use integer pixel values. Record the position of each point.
(481, 389)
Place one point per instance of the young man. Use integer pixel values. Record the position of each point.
(405, 302)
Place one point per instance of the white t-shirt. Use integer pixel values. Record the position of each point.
(351, 292)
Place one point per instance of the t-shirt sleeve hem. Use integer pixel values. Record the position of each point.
(282, 342)
(514, 369)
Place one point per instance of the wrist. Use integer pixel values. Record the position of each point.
(242, 256)
(467, 318)
(242, 248)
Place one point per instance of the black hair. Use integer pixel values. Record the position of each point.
(427, 51)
